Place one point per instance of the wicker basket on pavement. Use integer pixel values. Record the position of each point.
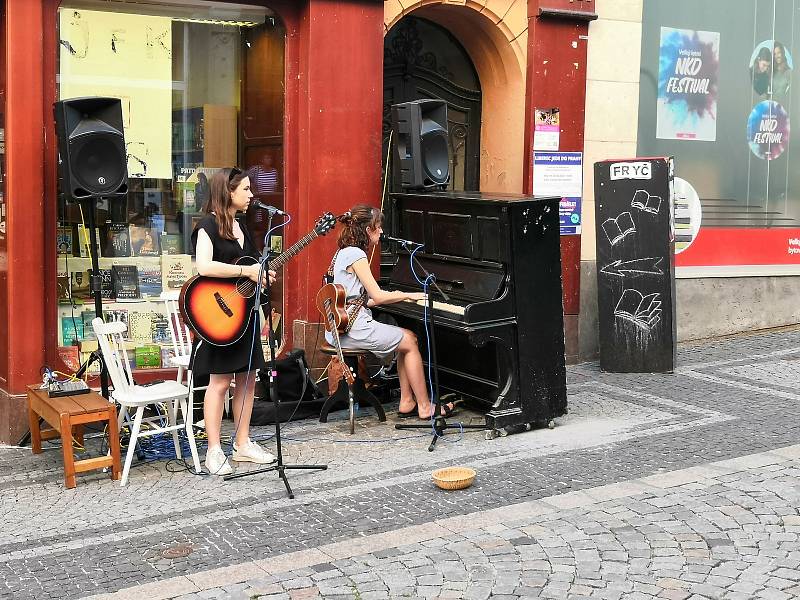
(454, 478)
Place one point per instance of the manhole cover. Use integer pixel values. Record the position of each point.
(177, 551)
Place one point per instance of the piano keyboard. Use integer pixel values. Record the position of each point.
(443, 306)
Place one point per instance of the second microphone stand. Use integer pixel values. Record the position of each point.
(440, 424)
(279, 466)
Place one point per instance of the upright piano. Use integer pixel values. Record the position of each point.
(499, 337)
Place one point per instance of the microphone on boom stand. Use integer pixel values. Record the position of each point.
(402, 242)
(272, 210)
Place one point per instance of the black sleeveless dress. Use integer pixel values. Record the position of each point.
(207, 358)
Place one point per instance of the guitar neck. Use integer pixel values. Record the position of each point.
(280, 260)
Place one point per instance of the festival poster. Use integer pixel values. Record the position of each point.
(688, 85)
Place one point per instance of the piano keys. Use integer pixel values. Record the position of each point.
(500, 331)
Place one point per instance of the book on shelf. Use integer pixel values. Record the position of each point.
(167, 354)
(149, 277)
(176, 269)
(82, 233)
(81, 289)
(117, 314)
(71, 329)
(140, 326)
(171, 243)
(64, 240)
(117, 240)
(70, 357)
(145, 241)
(88, 331)
(63, 288)
(160, 330)
(125, 280)
(148, 356)
(106, 284)
(94, 367)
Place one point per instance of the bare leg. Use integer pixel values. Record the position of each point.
(242, 405)
(407, 402)
(412, 370)
(218, 386)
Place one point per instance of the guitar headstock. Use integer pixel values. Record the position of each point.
(325, 223)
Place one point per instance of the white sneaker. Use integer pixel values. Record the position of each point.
(217, 463)
(252, 452)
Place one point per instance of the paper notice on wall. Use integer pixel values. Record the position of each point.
(127, 57)
(558, 174)
(546, 129)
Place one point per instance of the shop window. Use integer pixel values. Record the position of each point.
(183, 73)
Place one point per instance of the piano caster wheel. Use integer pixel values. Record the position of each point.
(551, 424)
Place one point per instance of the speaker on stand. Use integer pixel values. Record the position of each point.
(93, 164)
(422, 144)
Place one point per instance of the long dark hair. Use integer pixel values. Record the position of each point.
(356, 221)
(223, 183)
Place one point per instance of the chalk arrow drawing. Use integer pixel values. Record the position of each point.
(634, 268)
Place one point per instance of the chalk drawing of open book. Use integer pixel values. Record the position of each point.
(644, 201)
(617, 229)
(643, 311)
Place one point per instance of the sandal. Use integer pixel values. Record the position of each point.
(407, 415)
(446, 411)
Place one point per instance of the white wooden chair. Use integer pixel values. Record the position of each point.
(172, 394)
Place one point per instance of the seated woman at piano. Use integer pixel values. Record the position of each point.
(350, 268)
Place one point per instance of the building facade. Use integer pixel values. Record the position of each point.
(294, 92)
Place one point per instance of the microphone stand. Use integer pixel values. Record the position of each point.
(440, 424)
(279, 466)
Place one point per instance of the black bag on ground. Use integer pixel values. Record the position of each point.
(299, 396)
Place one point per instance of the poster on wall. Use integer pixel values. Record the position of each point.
(132, 62)
(688, 85)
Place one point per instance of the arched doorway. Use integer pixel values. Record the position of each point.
(424, 60)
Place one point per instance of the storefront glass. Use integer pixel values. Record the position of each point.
(201, 87)
(718, 93)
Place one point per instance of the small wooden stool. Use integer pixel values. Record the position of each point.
(65, 414)
(361, 395)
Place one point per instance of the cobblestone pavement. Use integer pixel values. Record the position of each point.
(670, 486)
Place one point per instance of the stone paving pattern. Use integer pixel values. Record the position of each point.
(709, 539)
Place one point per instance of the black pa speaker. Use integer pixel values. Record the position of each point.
(420, 129)
(91, 147)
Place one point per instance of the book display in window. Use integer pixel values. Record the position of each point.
(82, 245)
(117, 314)
(81, 289)
(106, 284)
(171, 243)
(64, 240)
(118, 241)
(88, 330)
(176, 270)
(63, 287)
(145, 241)
(125, 279)
(160, 330)
(71, 330)
(149, 277)
(140, 326)
(70, 356)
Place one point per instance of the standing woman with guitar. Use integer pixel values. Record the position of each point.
(350, 267)
(219, 241)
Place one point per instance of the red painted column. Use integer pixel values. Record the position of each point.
(23, 297)
(556, 77)
(337, 123)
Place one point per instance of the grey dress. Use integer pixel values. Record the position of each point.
(366, 334)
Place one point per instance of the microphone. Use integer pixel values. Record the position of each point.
(388, 238)
(270, 209)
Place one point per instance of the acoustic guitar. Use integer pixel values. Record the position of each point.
(331, 304)
(220, 309)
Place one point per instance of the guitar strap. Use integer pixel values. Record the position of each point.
(353, 305)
